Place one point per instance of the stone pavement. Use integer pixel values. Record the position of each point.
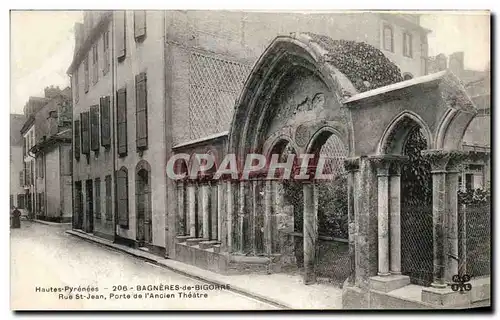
(279, 289)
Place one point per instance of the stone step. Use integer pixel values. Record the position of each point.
(195, 241)
(389, 283)
(208, 244)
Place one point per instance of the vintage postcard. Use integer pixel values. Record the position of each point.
(250, 160)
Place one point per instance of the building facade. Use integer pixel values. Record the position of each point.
(16, 161)
(147, 85)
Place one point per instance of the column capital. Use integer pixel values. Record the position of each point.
(351, 164)
(385, 162)
(443, 160)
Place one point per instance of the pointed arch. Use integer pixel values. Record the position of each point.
(394, 136)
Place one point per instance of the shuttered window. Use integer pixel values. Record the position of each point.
(105, 122)
(94, 128)
(141, 114)
(121, 119)
(76, 140)
(120, 35)
(95, 64)
(77, 86)
(97, 188)
(105, 40)
(109, 216)
(122, 196)
(85, 123)
(139, 25)
(86, 72)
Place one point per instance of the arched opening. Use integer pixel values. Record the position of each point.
(407, 76)
(143, 203)
(332, 249)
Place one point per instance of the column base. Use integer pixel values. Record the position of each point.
(383, 274)
(388, 283)
(396, 273)
(438, 285)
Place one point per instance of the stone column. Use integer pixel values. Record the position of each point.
(253, 217)
(220, 204)
(452, 220)
(205, 210)
(395, 218)
(351, 165)
(230, 213)
(383, 215)
(191, 192)
(268, 195)
(181, 213)
(310, 231)
(241, 216)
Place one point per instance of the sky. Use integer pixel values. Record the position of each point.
(42, 45)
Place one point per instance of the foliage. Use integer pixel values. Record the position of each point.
(332, 208)
(363, 64)
(474, 197)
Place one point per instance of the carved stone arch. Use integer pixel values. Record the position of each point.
(395, 134)
(143, 164)
(451, 129)
(274, 141)
(322, 134)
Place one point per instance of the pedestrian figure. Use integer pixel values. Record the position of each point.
(15, 219)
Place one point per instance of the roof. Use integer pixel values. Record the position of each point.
(16, 124)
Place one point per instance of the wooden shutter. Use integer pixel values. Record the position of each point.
(97, 187)
(84, 118)
(122, 196)
(139, 25)
(120, 34)
(121, 119)
(94, 128)
(76, 140)
(108, 198)
(141, 114)
(86, 72)
(105, 40)
(105, 122)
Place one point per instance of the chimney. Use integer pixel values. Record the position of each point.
(78, 35)
(456, 64)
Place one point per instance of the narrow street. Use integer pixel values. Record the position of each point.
(45, 258)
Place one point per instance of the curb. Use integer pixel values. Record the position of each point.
(156, 260)
(51, 223)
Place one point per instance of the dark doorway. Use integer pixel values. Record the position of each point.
(90, 206)
(143, 203)
(78, 222)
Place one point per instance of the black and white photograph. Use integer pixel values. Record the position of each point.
(200, 160)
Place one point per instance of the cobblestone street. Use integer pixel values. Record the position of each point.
(44, 256)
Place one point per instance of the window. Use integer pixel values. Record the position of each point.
(95, 64)
(76, 84)
(21, 178)
(76, 140)
(122, 196)
(84, 118)
(139, 25)
(94, 128)
(469, 181)
(97, 187)
(388, 38)
(105, 122)
(121, 119)
(40, 168)
(105, 40)
(120, 35)
(407, 45)
(20, 201)
(86, 72)
(141, 113)
(109, 216)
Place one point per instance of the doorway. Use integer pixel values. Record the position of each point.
(90, 206)
(143, 203)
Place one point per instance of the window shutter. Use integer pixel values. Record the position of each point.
(94, 128)
(122, 195)
(139, 24)
(121, 119)
(86, 71)
(106, 52)
(120, 34)
(105, 122)
(108, 198)
(76, 139)
(97, 187)
(141, 114)
(84, 118)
